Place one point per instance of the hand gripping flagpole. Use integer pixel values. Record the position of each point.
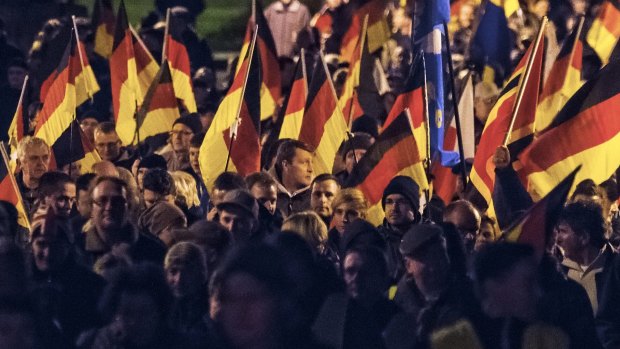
(524, 79)
(235, 126)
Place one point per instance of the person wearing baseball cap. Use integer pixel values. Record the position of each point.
(238, 213)
(401, 203)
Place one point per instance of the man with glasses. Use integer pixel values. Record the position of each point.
(109, 226)
(110, 148)
(183, 129)
(466, 219)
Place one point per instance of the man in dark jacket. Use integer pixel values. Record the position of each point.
(401, 203)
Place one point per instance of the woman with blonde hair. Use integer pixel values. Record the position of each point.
(186, 196)
(310, 227)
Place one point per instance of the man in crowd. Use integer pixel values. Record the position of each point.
(194, 152)
(110, 225)
(57, 190)
(183, 129)
(324, 189)
(109, 146)
(142, 166)
(286, 19)
(33, 156)
(466, 219)
(294, 173)
(158, 186)
(401, 202)
(238, 213)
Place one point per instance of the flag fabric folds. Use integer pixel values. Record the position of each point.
(103, 24)
(491, 44)
(536, 226)
(430, 39)
(497, 124)
(270, 91)
(10, 192)
(126, 94)
(564, 82)
(240, 154)
(295, 103)
(394, 153)
(158, 111)
(586, 132)
(178, 59)
(20, 123)
(605, 30)
(378, 31)
(323, 127)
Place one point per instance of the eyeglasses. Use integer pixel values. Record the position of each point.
(114, 201)
(182, 133)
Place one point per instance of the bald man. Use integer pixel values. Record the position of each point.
(466, 219)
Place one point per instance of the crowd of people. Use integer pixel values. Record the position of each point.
(137, 252)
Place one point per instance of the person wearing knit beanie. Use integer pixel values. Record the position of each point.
(160, 219)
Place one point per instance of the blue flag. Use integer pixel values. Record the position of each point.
(429, 38)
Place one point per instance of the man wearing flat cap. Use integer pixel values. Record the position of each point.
(238, 213)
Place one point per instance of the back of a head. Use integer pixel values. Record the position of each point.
(353, 197)
(188, 255)
(158, 181)
(309, 226)
(262, 179)
(495, 261)
(229, 181)
(51, 182)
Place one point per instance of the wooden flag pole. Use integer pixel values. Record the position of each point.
(166, 33)
(304, 72)
(77, 42)
(235, 125)
(457, 116)
(5, 158)
(524, 79)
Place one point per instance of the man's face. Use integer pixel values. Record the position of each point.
(299, 170)
(184, 280)
(88, 126)
(344, 214)
(83, 203)
(62, 201)
(467, 223)
(35, 162)
(486, 235)
(109, 207)
(353, 156)
(193, 159)
(266, 196)
(16, 76)
(572, 244)
(49, 253)
(398, 210)
(151, 197)
(108, 145)
(483, 106)
(353, 264)
(323, 194)
(180, 137)
(239, 223)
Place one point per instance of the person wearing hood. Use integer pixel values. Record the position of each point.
(401, 203)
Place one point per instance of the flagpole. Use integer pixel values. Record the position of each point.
(235, 124)
(5, 158)
(19, 105)
(572, 55)
(526, 76)
(427, 161)
(77, 41)
(304, 72)
(457, 116)
(166, 33)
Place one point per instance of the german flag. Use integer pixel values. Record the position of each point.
(146, 65)
(395, 153)
(605, 30)
(536, 226)
(295, 103)
(72, 145)
(58, 110)
(323, 126)
(496, 127)
(271, 90)
(412, 99)
(10, 192)
(378, 29)
(565, 81)
(244, 149)
(360, 79)
(103, 24)
(178, 58)
(20, 123)
(51, 55)
(586, 132)
(85, 82)
(126, 93)
(159, 110)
